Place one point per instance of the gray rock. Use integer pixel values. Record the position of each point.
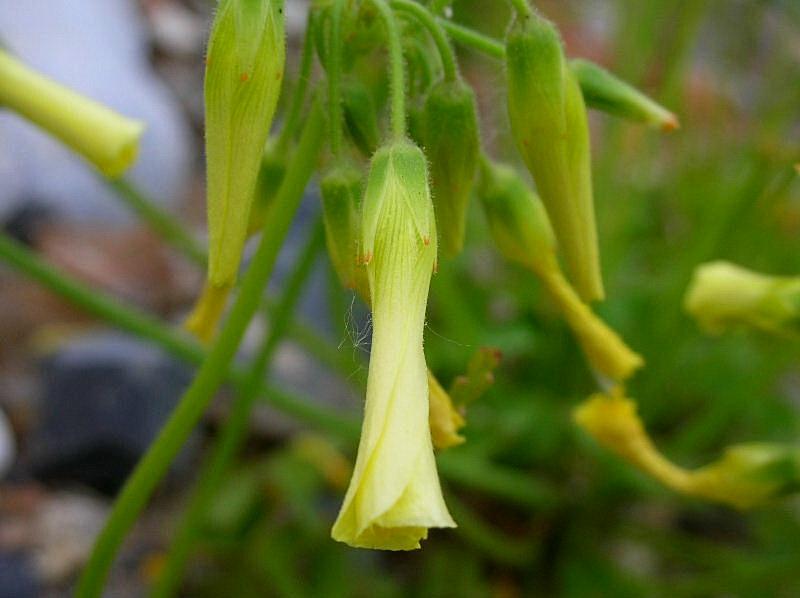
(17, 576)
(105, 398)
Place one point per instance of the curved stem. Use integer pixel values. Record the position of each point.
(426, 19)
(335, 78)
(301, 88)
(439, 6)
(473, 39)
(139, 487)
(235, 430)
(396, 68)
(522, 8)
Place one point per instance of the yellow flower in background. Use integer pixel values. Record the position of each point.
(612, 421)
(722, 295)
(445, 420)
(746, 476)
(244, 71)
(394, 496)
(105, 138)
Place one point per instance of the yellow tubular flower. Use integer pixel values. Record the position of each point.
(394, 495)
(614, 423)
(723, 295)
(244, 70)
(606, 352)
(106, 139)
(747, 475)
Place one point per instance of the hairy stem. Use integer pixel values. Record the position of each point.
(426, 19)
(396, 70)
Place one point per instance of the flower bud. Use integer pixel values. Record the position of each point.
(452, 145)
(604, 91)
(522, 232)
(108, 140)
(244, 70)
(749, 475)
(360, 116)
(549, 123)
(394, 495)
(341, 190)
(479, 377)
(722, 295)
(445, 420)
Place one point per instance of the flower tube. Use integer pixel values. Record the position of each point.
(108, 140)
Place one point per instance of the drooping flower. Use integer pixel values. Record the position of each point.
(394, 496)
(746, 476)
(522, 233)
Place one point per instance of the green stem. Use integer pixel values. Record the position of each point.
(439, 6)
(335, 79)
(156, 461)
(522, 8)
(427, 20)
(161, 221)
(472, 39)
(480, 474)
(396, 70)
(301, 88)
(235, 430)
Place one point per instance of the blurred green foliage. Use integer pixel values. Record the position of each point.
(722, 187)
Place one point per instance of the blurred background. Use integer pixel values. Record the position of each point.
(545, 512)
